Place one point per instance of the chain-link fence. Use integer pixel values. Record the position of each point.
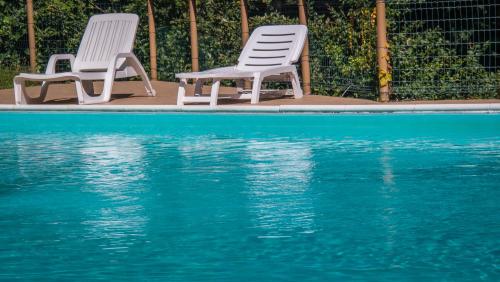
(444, 49)
(439, 49)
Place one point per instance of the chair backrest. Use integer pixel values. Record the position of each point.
(273, 45)
(105, 36)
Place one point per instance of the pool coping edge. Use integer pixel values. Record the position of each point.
(410, 108)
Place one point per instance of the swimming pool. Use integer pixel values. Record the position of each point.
(191, 197)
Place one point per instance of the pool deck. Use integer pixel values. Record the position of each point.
(130, 96)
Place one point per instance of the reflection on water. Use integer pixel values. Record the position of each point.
(385, 162)
(114, 161)
(388, 192)
(278, 179)
(208, 155)
(114, 170)
(44, 151)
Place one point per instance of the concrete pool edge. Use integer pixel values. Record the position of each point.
(404, 108)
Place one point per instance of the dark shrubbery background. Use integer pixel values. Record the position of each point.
(431, 59)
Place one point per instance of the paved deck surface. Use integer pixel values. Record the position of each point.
(133, 93)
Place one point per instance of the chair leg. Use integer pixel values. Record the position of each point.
(20, 91)
(82, 95)
(297, 91)
(20, 95)
(257, 82)
(214, 93)
(44, 90)
(85, 91)
(181, 93)
(108, 87)
(136, 65)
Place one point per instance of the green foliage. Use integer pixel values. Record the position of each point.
(430, 63)
(440, 73)
(13, 34)
(343, 49)
(219, 46)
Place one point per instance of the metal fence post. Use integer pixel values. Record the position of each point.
(384, 75)
(193, 31)
(31, 34)
(152, 41)
(304, 59)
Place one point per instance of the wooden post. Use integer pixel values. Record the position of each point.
(244, 22)
(31, 34)
(152, 41)
(304, 59)
(382, 52)
(245, 34)
(195, 66)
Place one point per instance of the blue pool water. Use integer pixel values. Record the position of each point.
(249, 198)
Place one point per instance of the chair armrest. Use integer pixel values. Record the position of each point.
(112, 64)
(51, 65)
(112, 67)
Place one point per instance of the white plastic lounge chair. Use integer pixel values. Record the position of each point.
(105, 53)
(269, 52)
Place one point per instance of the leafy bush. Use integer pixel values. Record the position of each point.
(439, 56)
